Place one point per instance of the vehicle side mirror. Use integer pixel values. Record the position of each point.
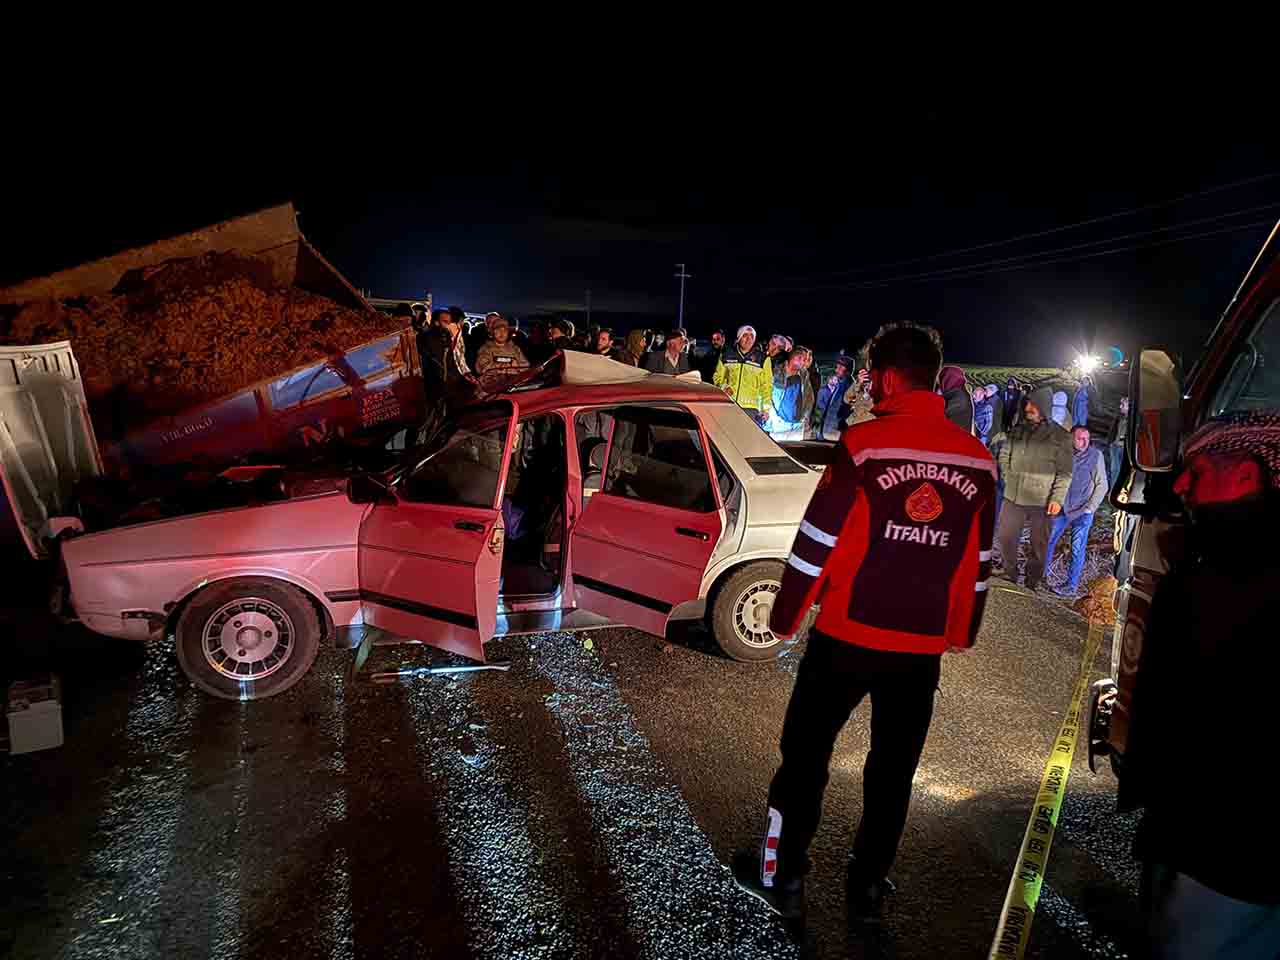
(366, 488)
(1155, 410)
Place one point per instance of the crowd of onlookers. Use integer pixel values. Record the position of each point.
(1039, 438)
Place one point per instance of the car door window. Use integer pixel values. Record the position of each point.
(465, 473)
(1253, 382)
(657, 456)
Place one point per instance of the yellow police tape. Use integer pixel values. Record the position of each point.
(1014, 929)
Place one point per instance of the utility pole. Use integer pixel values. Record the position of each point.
(682, 277)
(588, 309)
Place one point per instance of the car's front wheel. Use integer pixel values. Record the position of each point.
(740, 614)
(247, 638)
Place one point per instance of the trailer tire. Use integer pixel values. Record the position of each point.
(247, 638)
(742, 608)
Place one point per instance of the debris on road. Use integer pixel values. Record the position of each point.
(392, 676)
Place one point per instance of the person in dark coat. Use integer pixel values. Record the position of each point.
(832, 407)
(603, 345)
(811, 368)
(1012, 398)
(955, 392)
(672, 359)
(706, 364)
(559, 336)
(997, 412)
(1209, 885)
(446, 375)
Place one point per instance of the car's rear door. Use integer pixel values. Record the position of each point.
(431, 554)
(643, 541)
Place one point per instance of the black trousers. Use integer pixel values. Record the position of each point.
(1012, 519)
(832, 680)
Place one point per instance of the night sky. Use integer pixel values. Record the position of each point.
(821, 236)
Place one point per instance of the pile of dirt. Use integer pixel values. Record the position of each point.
(189, 331)
(1098, 603)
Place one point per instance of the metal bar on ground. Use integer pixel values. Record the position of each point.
(391, 676)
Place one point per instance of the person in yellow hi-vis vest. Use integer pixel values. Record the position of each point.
(746, 374)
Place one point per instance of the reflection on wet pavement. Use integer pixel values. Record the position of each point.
(582, 805)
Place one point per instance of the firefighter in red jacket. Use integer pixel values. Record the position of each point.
(896, 547)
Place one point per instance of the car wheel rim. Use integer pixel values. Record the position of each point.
(248, 639)
(751, 614)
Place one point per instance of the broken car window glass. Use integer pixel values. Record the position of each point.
(465, 473)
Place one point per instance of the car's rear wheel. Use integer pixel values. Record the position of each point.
(740, 614)
(248, 638)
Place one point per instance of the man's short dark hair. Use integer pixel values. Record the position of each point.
(438, 316)
(558, 324)
(914, 351)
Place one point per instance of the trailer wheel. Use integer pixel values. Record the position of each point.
(740, 614)
(248, 638)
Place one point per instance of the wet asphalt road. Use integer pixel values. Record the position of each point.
(579, 806)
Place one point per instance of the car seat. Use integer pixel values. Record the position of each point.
(593, 450)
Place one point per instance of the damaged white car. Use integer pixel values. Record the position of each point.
(590, 494)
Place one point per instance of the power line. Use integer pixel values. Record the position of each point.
(1104, 218)
(929, 277)
(964, 268)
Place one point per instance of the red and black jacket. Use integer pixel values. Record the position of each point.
(896, 543)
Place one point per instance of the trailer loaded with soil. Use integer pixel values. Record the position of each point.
(206, 366)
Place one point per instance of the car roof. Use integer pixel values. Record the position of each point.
(586, 380)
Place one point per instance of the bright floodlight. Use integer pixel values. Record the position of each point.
(1088, 364)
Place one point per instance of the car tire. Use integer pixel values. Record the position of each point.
(742, 607)
(248, 638)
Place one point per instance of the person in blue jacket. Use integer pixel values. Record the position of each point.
(1080, 402)
(831, 409)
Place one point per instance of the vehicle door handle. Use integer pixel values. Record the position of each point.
(469, 525)
(696, 534)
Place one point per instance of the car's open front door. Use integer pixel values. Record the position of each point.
(643, 541)
(431, 553)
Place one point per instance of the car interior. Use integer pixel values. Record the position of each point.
(533, 508)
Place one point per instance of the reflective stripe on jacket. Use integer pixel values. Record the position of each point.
(896, 542)
(749, 378)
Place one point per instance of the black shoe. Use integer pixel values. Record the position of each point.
(786, 899)
(866, 900)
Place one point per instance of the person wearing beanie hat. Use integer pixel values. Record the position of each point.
(1209, 887)
(746, 375)
(955, 392)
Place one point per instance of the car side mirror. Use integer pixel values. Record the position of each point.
(366, 488)
(1155, 410)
